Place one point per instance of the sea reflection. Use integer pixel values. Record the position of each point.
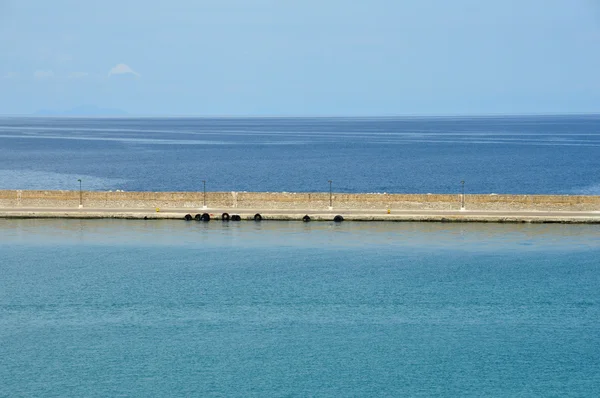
(360, 235)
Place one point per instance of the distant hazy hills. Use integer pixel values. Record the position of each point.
(83, 110)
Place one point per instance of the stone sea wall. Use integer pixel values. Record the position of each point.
(284, 200)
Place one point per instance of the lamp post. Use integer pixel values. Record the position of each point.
(462, 196)
(80, 195)
(330, 198)
(204, 194)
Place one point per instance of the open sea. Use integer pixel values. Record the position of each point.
(504, 154)
(159, 308)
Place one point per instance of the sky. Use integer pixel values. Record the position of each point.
(301, 57)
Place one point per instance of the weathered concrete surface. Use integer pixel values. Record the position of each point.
(315, 215)
(283, 200)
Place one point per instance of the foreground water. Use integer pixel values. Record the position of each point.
(167, 308)
(509, 154)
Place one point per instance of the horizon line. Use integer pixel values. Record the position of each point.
(333, 116)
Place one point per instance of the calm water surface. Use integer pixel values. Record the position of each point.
(168, 308)
(504, 154)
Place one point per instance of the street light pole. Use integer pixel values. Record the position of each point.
(330, 199)
(80, 195)
(462, 197)
(204, 195)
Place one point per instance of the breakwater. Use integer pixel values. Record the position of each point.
(294, 201)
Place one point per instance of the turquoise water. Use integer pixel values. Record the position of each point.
(167, 308)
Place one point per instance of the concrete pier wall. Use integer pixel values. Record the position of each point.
(283, 200)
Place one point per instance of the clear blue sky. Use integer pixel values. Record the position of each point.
(301, 57)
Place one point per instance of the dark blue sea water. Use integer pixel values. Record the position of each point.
(167, 308)
(533, 154)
